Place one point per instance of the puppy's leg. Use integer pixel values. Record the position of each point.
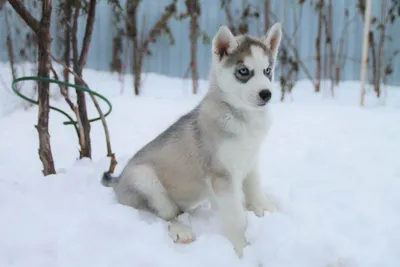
(145, 181)
(228, 198)
(256, 200)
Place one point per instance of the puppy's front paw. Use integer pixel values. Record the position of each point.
(260, 203)
(239, 244)
(181, 233)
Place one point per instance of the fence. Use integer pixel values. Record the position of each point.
(174, 60)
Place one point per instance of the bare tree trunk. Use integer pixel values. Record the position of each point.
(194, 9)
(110, 154)
(283, 78)
(340, 54)
(325, 61)
(86, 151)
(132, 32)
(339, 61)
(298, 60)
(67, 43)
(75, 60)
(79, 64)
(375, 75)
(381, 51)
(330, 45)
(267, 11)
(138, 72)
(74, 109)
(141, 47)
(364, 62)
(116, 62)
(10, 47)
(318, 45)
(42, 30)
(44, 43)
(193, 55)
(295, 36)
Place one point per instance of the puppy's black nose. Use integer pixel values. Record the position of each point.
(265, 95)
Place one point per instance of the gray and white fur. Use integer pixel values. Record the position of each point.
(212, 151)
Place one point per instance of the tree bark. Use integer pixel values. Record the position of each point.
(44, 44)
(10, 47)
(364, 62)
(318, 46)
(381, 51)
(194, 34)
(296, 23)
(137, 71)
(141, 47)
(267, 11)
(132, 32)
(284, 78)
(20, 8)
(329, 33)
(67, 43)
(42, 31)
(229, 17)
(337, 75)
(88, 34)
(79, 64)
(296, 55)
(375, 75)
(110, 154)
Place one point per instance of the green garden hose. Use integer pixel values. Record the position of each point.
(77, 87)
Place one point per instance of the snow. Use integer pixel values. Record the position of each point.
(332, 167)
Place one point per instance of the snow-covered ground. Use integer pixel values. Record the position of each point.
(332, 168)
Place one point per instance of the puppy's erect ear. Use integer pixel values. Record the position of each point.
(273, 38)
(223, 43)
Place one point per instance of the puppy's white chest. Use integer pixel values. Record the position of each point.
(238, 157)
(240, 153)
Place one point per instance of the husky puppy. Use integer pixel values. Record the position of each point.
(212, 151)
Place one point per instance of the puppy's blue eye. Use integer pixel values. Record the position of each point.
(244, 71)
(267, 71)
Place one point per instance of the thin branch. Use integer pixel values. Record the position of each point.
(345, 27)
(20, 8)
(88, 33)
(113, 162)
(365, 44)
(298, 59)
(353, 59)
(62, 89)
(10, 47)
(71, 105)
(229, 17)
(74, 40)
(296, 21)
(267, 8)
(296, 54)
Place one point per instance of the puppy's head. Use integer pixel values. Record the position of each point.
(243, 66)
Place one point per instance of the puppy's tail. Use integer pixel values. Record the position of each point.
(108, 179)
